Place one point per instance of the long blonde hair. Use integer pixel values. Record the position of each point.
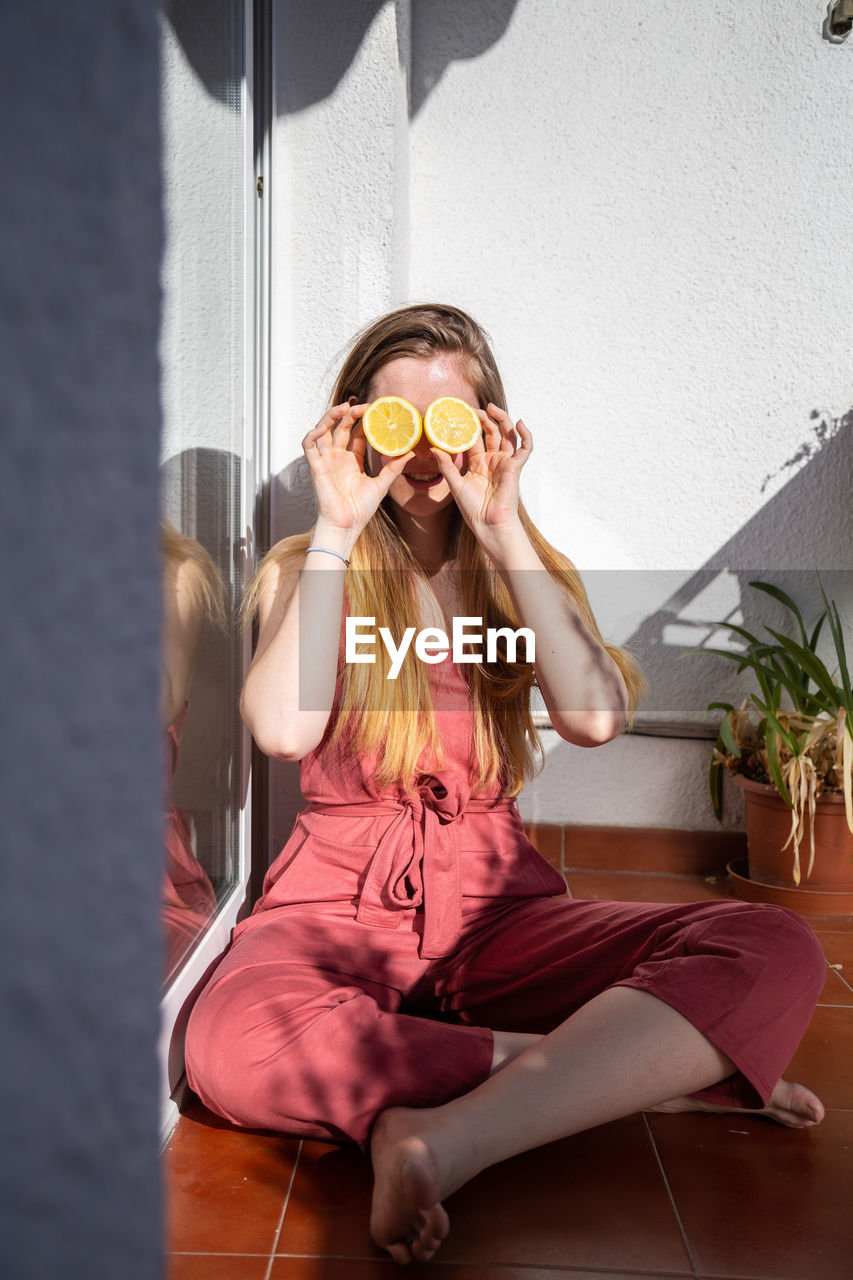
(202, 578)
(394, 720)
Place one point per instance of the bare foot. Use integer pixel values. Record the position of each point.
(407, 1217)
(790, 1104)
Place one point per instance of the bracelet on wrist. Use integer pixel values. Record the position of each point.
(329, 552)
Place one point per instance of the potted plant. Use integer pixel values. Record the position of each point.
(790, 747)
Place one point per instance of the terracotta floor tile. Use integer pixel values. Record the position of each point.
(338, 1269)
(329, 1205)
(206, 1266)
(515, 1214)
(646, 849)
(838, 949)
(836, 990)
(374, 1269)
(824, 1057)
(831, 924)
(595, 1200)
(225, 1187)
(758, 1201)
(589, 1206)
(636, 886)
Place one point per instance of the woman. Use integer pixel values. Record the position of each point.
(193, 592)
(414, 977)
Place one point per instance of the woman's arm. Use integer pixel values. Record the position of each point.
(290, 688)
(582, 686)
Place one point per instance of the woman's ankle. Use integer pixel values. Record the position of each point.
(509, 1045)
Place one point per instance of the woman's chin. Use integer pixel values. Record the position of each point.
(424, 502)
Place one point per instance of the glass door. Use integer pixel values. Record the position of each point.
(207, 354)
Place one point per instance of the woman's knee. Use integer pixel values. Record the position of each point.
(214, 1054)
(795, 936)
(259, 1046)
(785, 941)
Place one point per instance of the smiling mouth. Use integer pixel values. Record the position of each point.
(422, 477)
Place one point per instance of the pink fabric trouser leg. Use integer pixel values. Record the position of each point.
(313, 1023)
(301, 1029)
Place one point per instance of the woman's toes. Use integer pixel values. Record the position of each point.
(795, 1105)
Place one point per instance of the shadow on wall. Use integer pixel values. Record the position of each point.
(317, 43)
(803, 527)
(446, 31)
(209, 32)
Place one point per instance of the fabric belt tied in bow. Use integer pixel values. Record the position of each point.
(416, 862)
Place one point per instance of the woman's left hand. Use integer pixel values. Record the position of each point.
(487, 491)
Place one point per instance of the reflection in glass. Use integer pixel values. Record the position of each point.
(193, 593)
(203, 353)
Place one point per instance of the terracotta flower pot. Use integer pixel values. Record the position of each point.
(768, 826)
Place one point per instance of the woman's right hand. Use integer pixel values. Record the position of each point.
(346, 495)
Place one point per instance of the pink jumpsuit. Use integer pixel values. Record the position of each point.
(189, 899)
(396, 932)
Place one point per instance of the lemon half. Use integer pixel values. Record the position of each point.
(392, 425)
(452, 425)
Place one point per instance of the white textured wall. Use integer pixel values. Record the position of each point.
(645, 206)
(631, 781)
(340, 195)
(203, 273)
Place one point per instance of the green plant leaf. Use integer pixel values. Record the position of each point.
(791, 674)
(742, 659)
(727, 737)
(741, 631)
(838, 640)
(774, 725)
(786, 600)
(770, 687)
(838, 637)
(810, 663)
(725, 653)
(816, 633)
(774, 764)
(770, 664)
